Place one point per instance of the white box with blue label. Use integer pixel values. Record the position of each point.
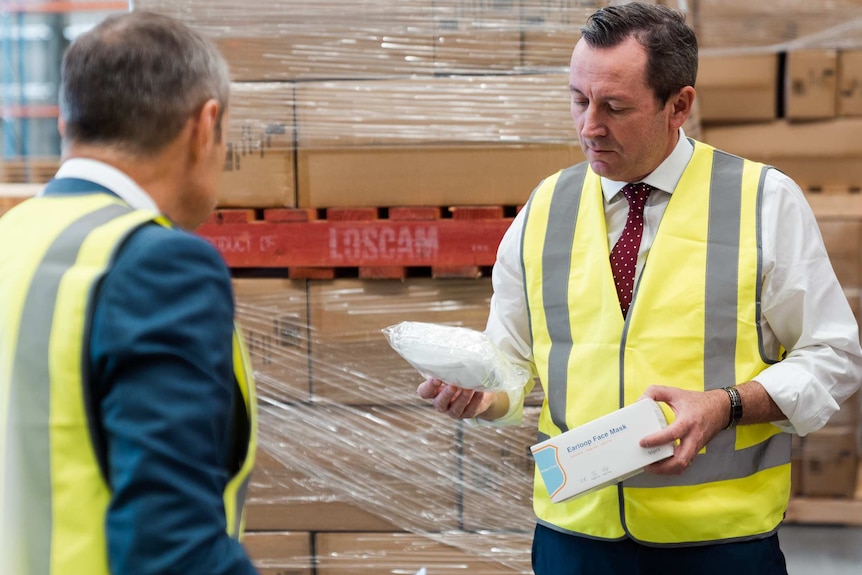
(602, 452)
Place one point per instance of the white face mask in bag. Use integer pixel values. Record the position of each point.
(458, 356)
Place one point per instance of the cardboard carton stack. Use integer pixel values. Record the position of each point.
(352, 460)
(415, 103)
(779, 83)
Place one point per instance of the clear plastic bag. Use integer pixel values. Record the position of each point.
(456, 355)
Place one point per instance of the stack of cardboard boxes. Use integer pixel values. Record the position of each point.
(353, 462)
(424, 102)
(454, 102)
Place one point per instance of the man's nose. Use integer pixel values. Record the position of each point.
(591, 122)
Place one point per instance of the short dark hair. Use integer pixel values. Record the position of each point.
(670, 42)
(134, 80)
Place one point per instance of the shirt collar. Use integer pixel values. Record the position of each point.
(665, 177)
(109, 177)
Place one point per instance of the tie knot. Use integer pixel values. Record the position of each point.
(637, 195)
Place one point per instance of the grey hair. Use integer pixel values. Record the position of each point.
(134, 80)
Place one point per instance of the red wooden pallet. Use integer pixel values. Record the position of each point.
(308, 246)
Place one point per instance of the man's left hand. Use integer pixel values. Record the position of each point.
(699, 416)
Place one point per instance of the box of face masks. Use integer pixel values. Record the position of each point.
(602, 452)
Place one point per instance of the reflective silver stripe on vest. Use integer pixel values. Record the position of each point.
(764, 356)
(722, 271)
(560, 234)
(29, 396)
(722, 281)
(721, 461)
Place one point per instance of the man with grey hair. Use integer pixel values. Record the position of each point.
(662, 267)
(127, 404)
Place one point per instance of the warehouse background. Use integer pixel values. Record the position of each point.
(364, 135)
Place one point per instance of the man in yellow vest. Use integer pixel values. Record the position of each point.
(662, 267)
(127, 409)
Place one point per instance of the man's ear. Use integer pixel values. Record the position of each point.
(681, 106)
(61, 126)
(206, 132)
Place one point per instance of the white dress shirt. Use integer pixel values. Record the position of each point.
(803, 306)
(109, 177)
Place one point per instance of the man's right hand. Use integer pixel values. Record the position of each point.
(460, 403)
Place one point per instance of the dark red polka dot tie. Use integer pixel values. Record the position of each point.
(624, 257)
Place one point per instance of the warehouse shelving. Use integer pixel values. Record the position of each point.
(33, 37)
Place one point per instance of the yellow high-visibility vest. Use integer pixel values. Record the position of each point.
(694, 324)
(53, 494)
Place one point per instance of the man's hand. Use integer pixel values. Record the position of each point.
(459, 403)
(699, 417)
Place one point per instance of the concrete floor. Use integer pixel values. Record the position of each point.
(822, 550)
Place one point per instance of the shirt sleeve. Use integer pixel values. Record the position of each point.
(508, 325)
(161, 354)
(804, 309)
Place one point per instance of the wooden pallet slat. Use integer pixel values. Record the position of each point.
(415, 213)
(828, 511)
(823, 511)
(457, 246)
(274, 215)
(441, 272)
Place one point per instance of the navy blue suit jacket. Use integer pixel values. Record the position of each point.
(163, 386)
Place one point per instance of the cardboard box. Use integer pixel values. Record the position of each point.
(476, 50)
(389, 467)
(739, 24)
(854, 298)
(406, 553)
(849, 83)
(815, 154)
(351, 361)
(602, 452)
(284, 499)
(280, 553)
(439, 141)
(551, 28)
(481, 110)
(260, 164)
(273, 315)
(849, 414)
(811, 84)
(476, 37)
(300, 40)
(544, 47)
(843, 239)
(332, 51)
(560, 14)
(737, 88)
(830, 462)
(428, 176)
